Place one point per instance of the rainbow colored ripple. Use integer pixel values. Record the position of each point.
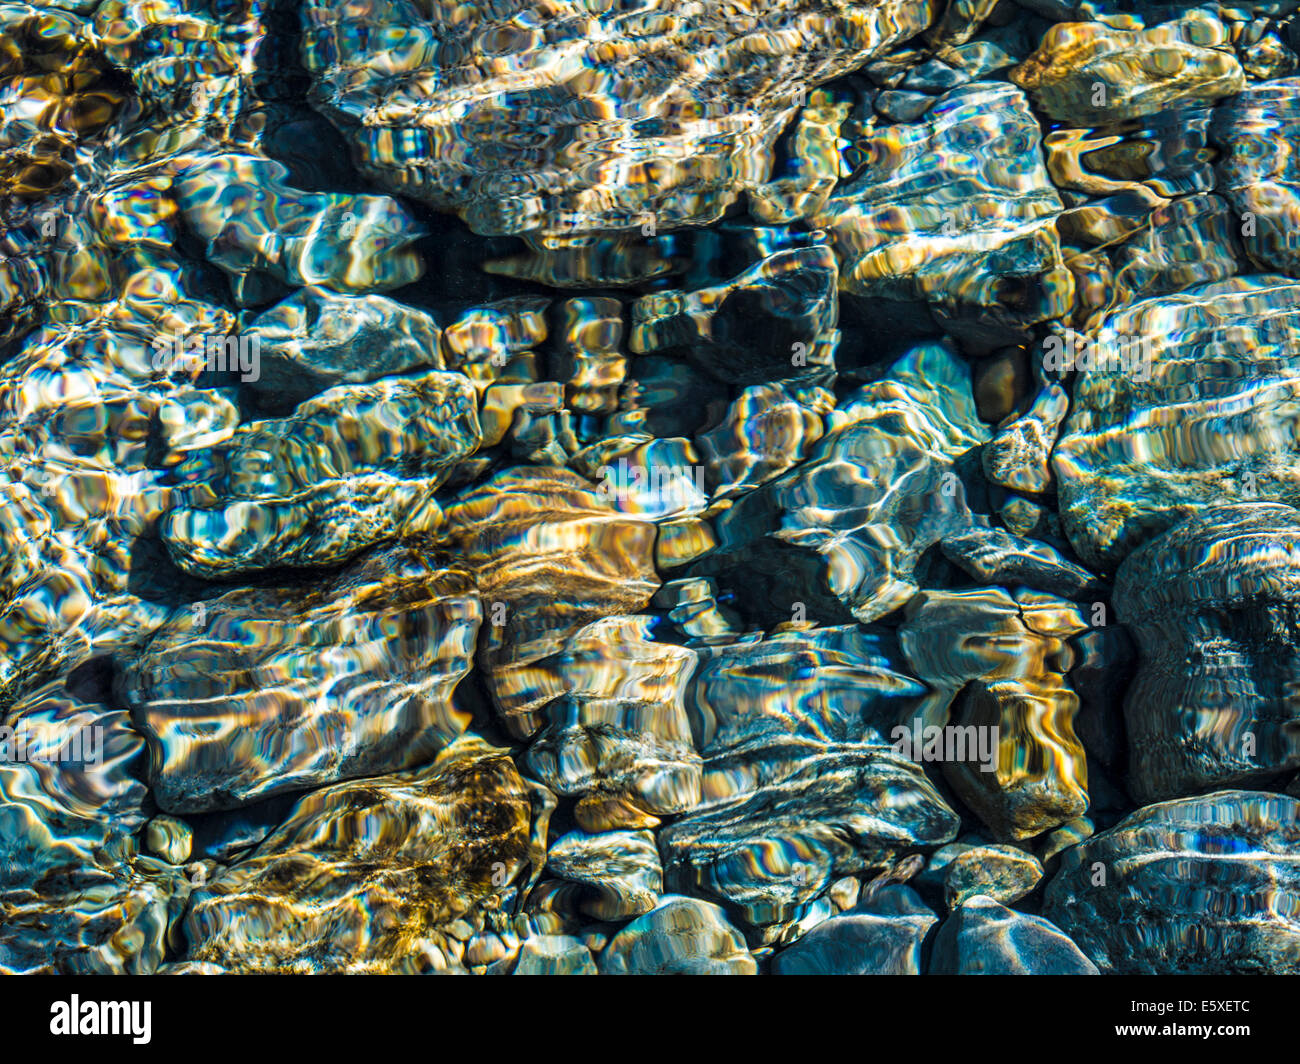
(649, 488)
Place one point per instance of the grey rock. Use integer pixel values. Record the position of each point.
(1210, 605)
(985, 938)
(554, 955)
(682, 936)
(882, 935)
(1204, 885)
(932, 76)
(316, 339)
(900, 106)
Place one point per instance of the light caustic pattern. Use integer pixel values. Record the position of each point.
(567, 488)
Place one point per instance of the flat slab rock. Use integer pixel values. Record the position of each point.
(265, 691)
(674, 110)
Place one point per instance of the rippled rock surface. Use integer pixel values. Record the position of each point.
(1192, 886)
(767, 430)
(609, 876)
(77, 896)
(1211, 605)
(996, 667)
(1086, 70)
(618, 736)
(79, 400)
(484, 488)
(775, 320)
(366, 875)
(799, 787)
(759, 706)
(956, 210)
(560, 121)
(554, 955)
(316, 339)
(356, 464)
(1191, 241)
(845, 530)
(1189, 405)
(53, 81)
(259, 692)
(682, 936)
(550, 553)
(771, 851)
(353, 243)
(1258, 172)
(1017, 457)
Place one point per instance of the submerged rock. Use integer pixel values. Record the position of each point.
(1185, 403)
(956, 210)
(779, 848)
(997, 666)
(882, 935)
(590, 355)
(550, 554)
(617, 735)
(776, 320)
(1257, 171)
(79, 507)
(1002, 873)
(681, 936)
(267, 690)
(1017, 456)
(352, 466)
(56, 92)
(368, 875)
(760, 706)
(348, 242)
(554, 955)
(1195, 886)
(658, 479)
(673, 111)
(844, 531)
(1192, 241)
(1089, 74)
(993, 556)
(1210, 604)
(694, 610)
(450, 509)
(316, 339)
(167, 44)
(76, 894)
(813, 163)
(799, 786)
(609, 876)
(490, 339)
(985, 938)
(767, 430)
(169, 838)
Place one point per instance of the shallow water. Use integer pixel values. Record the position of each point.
(575, 488)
